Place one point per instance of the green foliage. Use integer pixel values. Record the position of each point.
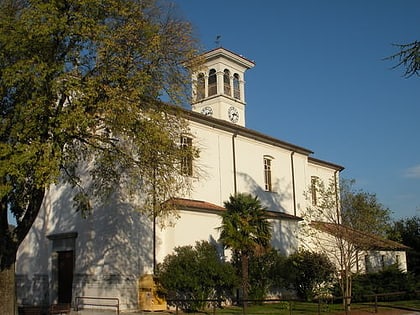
(407, 232)
(408, 57)
(81, 81)
(309, 273)
(260, 267)
(362, 211)
(265, 273)
(196, 273)
(389, 280)
(80, 84)
(246, 230)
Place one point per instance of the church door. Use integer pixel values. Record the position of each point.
(65, 276)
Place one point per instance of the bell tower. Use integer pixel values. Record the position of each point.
(219, 88)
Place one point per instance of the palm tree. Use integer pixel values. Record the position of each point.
(246, 231)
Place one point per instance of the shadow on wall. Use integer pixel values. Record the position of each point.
(284, 236)
(113, 248)
(32, 281)
(273, 200)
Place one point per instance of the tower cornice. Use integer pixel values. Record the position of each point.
(225, 53)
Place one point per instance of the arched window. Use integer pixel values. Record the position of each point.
(267, 173)
(314, 190)
(187, 156)
(226, 81)
(236, 88)
(200, 87)
(212, 82)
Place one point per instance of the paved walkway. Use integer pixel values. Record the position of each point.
(382, 312)
(354, 312)
(104, 312)
(92, 312)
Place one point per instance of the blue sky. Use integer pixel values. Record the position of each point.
(320, 82)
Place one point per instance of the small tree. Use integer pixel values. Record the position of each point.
(246, 230)
(310, 273)
(335, 213)
(196, 273)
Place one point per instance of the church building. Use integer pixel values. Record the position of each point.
(65, 256)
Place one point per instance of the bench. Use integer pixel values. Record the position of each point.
(97, 302)
(61, 309)
(30, 310)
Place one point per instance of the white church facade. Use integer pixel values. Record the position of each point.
(65, 256)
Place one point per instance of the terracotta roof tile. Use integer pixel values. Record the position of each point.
(195, 204)
(363, 240)
(282, 215)
(199, 205)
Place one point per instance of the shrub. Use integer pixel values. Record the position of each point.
(309, 273)
(390, 279)
(195, 273)
(265, 273)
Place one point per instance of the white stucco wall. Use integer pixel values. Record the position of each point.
(220, 149)
(191, 227)
(111, 250)
(373, 261)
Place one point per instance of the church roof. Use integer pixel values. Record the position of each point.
(204, 206)
(249, 133)
(243, 131)
(191, 204)
(362, 240)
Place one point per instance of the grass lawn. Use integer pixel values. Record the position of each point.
(301, 308)
(412, 304)
(283, 308)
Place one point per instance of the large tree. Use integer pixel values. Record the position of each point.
(407, 231)
(346, 216)
(80, 81)
(362, 210)
(246, 231)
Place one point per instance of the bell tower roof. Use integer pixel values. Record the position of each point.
(221, 52)
(219, 87)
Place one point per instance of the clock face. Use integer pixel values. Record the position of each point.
(233, 114)
(208, 111)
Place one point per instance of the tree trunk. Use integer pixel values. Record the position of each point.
(8, 291)
(245, 282)
(346, 283)
(10, 239)
(348, 293)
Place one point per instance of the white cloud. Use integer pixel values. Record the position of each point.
(412, 172)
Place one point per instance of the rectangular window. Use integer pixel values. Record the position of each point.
(368, 267)
(186, 157)
(267, 174)
(383, 261)
(314, 184)
(397, 260)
